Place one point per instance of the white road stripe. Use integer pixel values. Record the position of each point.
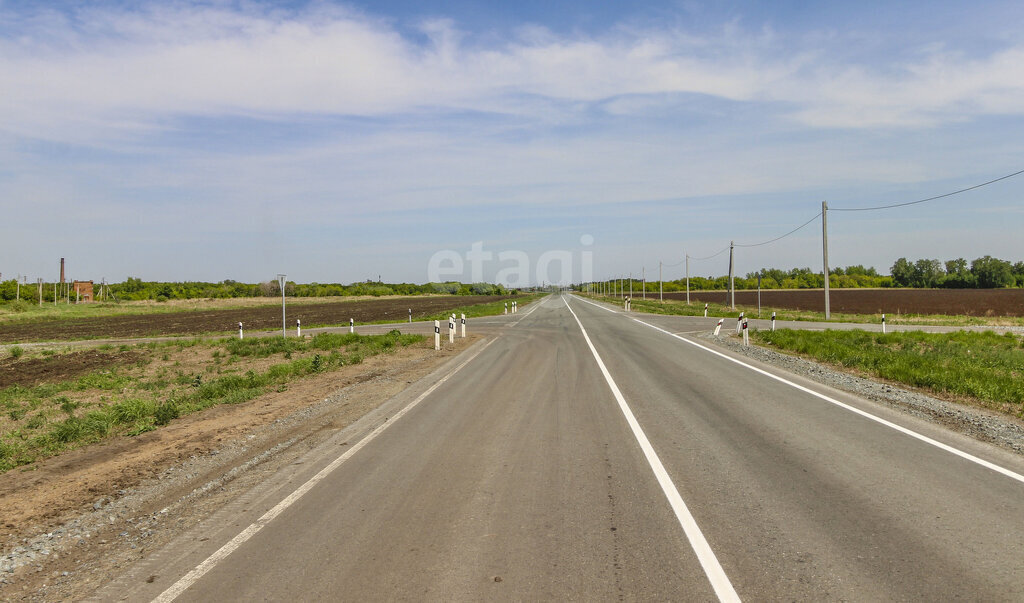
(193, 576)
(960, 453)
(853, 409)
(716, 575)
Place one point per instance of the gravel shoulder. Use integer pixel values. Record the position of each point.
(982, 424)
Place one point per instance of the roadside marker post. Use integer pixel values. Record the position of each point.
(883, 324)
(298, 327)
(746, 333)
(739, 323)
(718, 327)
(351, 325)
(506, 307)
(410, 315)
(463, 326)
(240, 331)
(773, 321)
(437, 334)
(705, 310)
(451, 329)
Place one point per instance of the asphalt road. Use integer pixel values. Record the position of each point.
(664, 471)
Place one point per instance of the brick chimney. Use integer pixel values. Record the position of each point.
(62, 271)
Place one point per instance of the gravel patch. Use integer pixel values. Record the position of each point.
(987, 426)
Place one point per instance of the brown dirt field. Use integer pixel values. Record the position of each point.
(53, 369)
(949, 302)
(258, 318)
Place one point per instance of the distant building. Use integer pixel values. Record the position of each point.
(83, 290)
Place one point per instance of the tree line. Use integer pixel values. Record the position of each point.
(983, 273)
(135, 289)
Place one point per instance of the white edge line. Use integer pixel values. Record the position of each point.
(712, 568)
(220, 554)
(965, 455)
(529, 312)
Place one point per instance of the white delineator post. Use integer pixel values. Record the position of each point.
(746, 334)
(506, 307)
(773, 321)
(298, 327)
(451, 329)
(351, 325)
(739, 323)
(410, 315)
(705, 310)
(240, 331)
(437, 334)
(718, 327)
(463, 326)
(883, 323)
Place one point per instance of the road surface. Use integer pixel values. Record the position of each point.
(622, 462)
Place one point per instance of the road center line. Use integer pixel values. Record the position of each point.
(222, 553)
(716, 575)
(960, 453)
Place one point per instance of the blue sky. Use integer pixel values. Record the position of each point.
(342, 141)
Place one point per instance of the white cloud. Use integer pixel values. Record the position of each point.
(102, 75)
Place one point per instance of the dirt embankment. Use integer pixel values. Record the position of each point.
(259, 318)
(949, 302)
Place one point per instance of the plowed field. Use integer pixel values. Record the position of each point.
(258, 318)
(950, 302)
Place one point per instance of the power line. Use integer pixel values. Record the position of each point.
(963, 190)
(816, 216)
(714, 255)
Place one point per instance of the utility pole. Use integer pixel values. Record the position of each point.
(284, 328)
(732, 281)
(643, 282)
(824, 252)
(661, 294)
(687, 279)
(39, 281)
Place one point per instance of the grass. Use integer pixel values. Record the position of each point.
(696, 308)
(41, 421)
(984, 367)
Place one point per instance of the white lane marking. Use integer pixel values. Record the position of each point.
(716, 575)
(193, 576)
(965, 455)
(529, 312)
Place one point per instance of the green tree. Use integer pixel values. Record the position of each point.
(927, 273)
(992, 273)
(902, 273)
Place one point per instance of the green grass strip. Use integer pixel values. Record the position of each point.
(40, 437)
(985, 366)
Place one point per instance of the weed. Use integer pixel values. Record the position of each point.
(166, 412)
(16, 352)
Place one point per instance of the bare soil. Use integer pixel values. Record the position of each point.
(259, 317)
(949, 302)
(53, 369)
